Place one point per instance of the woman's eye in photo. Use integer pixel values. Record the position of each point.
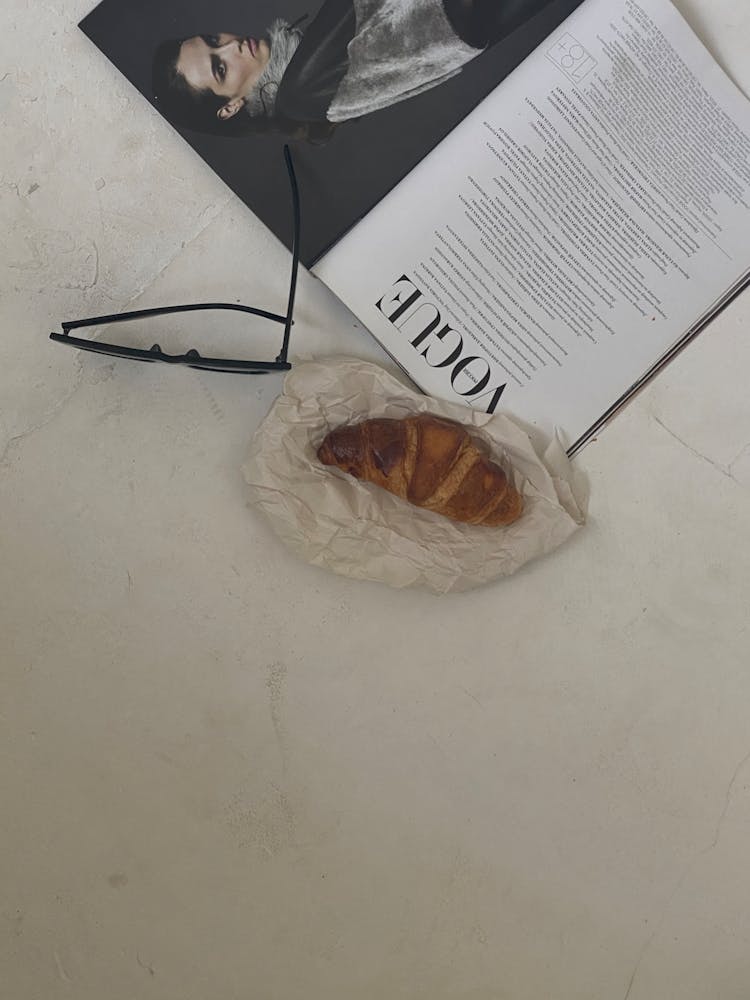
(212, 41)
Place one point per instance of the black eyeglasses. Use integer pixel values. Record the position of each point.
(192, 358)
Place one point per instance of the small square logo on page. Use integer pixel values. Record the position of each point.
(571, 57)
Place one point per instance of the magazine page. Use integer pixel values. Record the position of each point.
(580, 222)
(362, 89)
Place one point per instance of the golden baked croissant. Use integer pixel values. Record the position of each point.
(429, 461)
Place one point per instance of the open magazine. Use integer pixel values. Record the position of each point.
(530, 204)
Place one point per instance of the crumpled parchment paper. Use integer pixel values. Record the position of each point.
(361, 531)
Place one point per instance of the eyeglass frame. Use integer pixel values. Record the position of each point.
(192, 358)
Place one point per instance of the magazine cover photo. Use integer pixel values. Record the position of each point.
(363, 89)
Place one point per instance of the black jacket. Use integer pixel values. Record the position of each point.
(319, 65)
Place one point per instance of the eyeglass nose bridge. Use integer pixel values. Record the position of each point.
(191, 359)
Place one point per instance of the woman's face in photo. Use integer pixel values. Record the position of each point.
(227, 65)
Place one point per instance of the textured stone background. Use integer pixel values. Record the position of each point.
(225, 774)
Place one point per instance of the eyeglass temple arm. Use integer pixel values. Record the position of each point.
(295, 253)
(165, 310)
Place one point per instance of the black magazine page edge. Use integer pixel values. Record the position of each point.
(723, 303)
(636, 387)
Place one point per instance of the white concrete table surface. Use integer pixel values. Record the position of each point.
(225, 774)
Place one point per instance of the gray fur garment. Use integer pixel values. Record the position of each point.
(401, 48)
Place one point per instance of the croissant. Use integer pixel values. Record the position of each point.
(429, 461)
